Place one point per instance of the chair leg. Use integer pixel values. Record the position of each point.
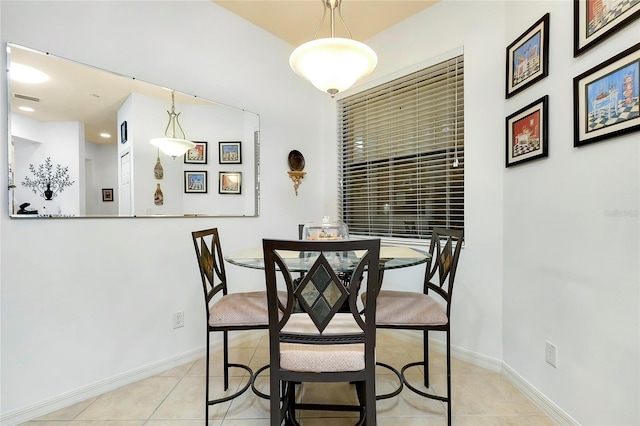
(370, 400)
(206, 384)
(425, 355)
(274, 402)
(290, 418)
(226, 366)
(225, 355)
(448, 378)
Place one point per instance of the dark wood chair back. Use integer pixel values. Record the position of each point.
(321, 322)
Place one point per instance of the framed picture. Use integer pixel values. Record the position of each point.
(230, 183)
(595, 20)
(195, 182)
(528, 57)
(107, 194)
(527, 133)
(230, 152)
(605, 98)
(196, 155)
(123, 132)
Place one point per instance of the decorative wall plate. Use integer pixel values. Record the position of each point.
(296, 161)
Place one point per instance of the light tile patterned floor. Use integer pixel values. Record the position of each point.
(176, 397)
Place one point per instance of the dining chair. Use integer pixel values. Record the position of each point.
(225, 311)
(319, 343)
(428, 310)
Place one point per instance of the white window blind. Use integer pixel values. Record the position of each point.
(401, 154)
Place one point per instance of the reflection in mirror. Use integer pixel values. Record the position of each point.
(79, 146)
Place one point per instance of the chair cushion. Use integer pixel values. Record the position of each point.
(408, 308)
(322, 358)
(240, 309)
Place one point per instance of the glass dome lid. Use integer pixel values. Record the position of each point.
(325, 230)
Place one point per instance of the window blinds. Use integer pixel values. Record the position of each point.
(401, 154)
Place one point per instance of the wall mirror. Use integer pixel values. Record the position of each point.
(79, 146)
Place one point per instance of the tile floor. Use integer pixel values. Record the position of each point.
(175, 397)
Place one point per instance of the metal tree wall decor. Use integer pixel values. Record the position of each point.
(49, 181)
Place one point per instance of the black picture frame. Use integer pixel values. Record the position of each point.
(123, 132)
(230, 152)
(230, 183)
(195, 182)
(605, 99)
(528, 58)
(527, 133)
(197, 155)
(595, 21)
(107, 194)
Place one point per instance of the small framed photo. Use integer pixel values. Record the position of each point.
(230, 152)
(527, 133)
(230, 183)
(107, 194)
(596, 20)
(528, 57)
(123, 132)
(195, 182)
(605, 99)
(196, 155)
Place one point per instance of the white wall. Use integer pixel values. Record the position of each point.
(65, 327)
(571, 270)
(84, 301)
(542, 259)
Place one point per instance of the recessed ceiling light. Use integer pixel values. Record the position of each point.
(28, 109)
(105, 135)
(26, 74)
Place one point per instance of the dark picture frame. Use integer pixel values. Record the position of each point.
(230, 152)
(527, 132)
(528, 58)
(597, 20)
(107, 194)
(605, 99)
(230, 182)
(197, 154)
(195, 182)
(123, 132)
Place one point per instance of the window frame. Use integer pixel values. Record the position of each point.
(393, 237)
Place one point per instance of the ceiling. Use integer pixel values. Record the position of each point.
(296, 21)
(93, 96)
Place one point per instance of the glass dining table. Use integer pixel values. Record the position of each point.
(391, 257)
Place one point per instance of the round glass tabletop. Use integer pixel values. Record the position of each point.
(390, 258)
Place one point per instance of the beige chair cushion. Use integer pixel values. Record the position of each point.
(240, 309)
(408, 308)
(322, 358)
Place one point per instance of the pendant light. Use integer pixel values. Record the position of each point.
(333, 64)
(170, 144)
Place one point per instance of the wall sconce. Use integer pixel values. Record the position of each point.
(296, 165)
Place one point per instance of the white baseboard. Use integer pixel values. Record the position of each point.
(552, 410)
(33, 411)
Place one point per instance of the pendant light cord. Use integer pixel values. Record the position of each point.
(332, 5)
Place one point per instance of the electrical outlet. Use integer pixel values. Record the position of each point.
(551, 354)
(178, 319)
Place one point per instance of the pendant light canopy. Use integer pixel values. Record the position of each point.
(333, 64)
(171, 144)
